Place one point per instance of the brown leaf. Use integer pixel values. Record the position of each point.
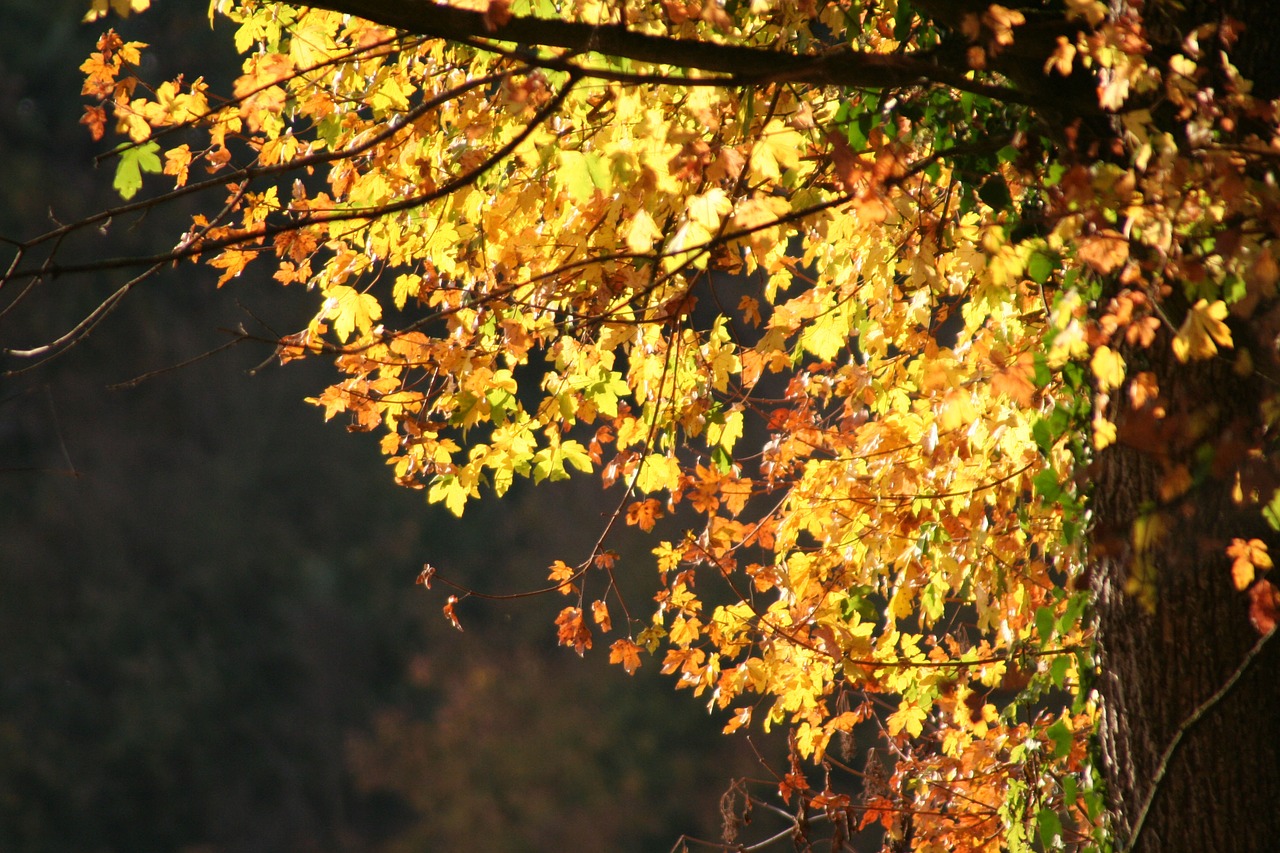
(1105, 251)
(1264, 606)
(497, 15)
(644, 513)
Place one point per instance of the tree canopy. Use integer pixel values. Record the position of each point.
(848, 304)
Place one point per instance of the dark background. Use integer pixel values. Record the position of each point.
(210, 636)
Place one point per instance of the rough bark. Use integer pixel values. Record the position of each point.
(1221, 786)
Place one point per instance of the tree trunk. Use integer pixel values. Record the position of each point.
(1166, 662)
(1162, 661)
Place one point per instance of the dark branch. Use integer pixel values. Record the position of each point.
(742, 64)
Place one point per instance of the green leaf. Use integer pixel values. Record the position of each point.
(582, 174)
(1040, 267)
(1071, 616)
(1050, 829)
(1070, 791)
(1042, 435)
(1271, 512)
(1058, 670)
(858, 130)
(1042, 375)
(1047, 485)
(135, 160)
(1061, 735)
(1044, 623)
(903, 20)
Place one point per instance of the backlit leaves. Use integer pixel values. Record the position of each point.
(1203, 331)
(842, 351)
(135, 161)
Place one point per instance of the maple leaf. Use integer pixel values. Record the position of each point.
(1108, 368)
(626, 653)
(1264, 606)
(573, 630)
(600, 613)
(176, 163)
(562, 575)
(644, 514)
(1105, 251)
(95, 118)
(1001, 20)
(643, 232)
(909, 718)
(1202, 331)
(1062, 58)
(1016, 380)
(351, 311)
(99, 8)
(136, 160)
(1248, 559)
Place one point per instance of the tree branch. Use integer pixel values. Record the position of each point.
(743, 64)
(1196, 716)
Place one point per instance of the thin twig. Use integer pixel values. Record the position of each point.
(1196, 716)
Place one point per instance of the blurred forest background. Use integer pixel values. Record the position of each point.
(210, 636)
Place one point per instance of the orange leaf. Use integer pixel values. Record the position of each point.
(1264, 606)
(95, 118)
(600, 613)
(573, 630)
(563, 575)
(626, 653)
(449, 612)
(1104, 251)
(1248, 558)
(644, 514)
(1016, 380)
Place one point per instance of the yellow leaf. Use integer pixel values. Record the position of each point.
(351, 311)
(1202, 331)
(709, 208)
(1104, 432)
(777, 149)
(1108, 367)
(642, 233)
(956, 410)
(909, 718)
(123, 8)
(1248, 560)
(658, 472)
